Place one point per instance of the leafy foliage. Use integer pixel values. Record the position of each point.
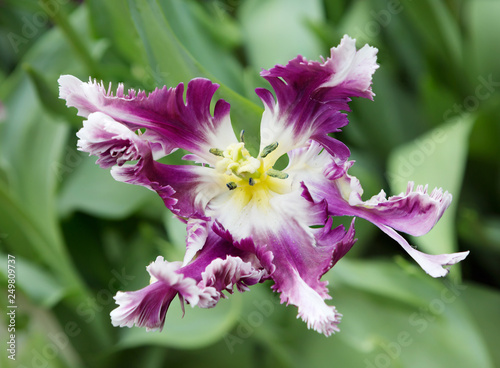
(78, 236)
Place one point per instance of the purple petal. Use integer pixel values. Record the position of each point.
(300, 285)
(337, 238)
(414, 212)
(224, 274)
(197, 229)
(185, 190)
(311, 97)
(148, 307)
(300, 255)
(170, 122)
(111, 141)
(221, 264)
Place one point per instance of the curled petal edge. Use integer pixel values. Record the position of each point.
(434, 265)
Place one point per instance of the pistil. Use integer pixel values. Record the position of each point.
(245, 170)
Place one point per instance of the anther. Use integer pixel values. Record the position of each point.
(251, 181)
(216, 152)
(231, 185)
(268, 149)
(277, 174)
(242, 138)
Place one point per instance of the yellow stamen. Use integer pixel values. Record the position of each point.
(250, 178)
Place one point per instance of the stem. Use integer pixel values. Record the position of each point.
(60, 18)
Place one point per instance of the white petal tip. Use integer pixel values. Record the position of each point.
(436, 265)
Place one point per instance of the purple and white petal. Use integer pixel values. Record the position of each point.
(185, 190)
(224, 274)
(218, 267)
(414, 212)
(170, 121)
(352, 69)
(221, 264)
(434, 265)
(333, 244)
(148, 307)
(300, 254)
(312, 97)
(111, 141)
(197, 229)
(312, 309)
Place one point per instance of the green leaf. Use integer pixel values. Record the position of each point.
(41, 339)
(60, 18)
(383, 279)
(390, 316)
(31, 146)
(174, 64)
(198, 32)
(21, 233)
(112, 20)
(93, 190)
(481, 19)
(378, 126)
(484, 304)
(436, 25)
(165, 54)
(276, 31)
(39, 285)
(176, 232)
(358, 13)
(47, 93)
(52, 54)
(438, 159)
(199, 327)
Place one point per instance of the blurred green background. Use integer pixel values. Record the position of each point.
(78, 236)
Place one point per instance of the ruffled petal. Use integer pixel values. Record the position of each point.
(111, 141)
(352, 69)
(295, 288)
(148, 307)
(300, 254)
(222, 264)
(337, 239)
(224, 274)
(197, 229)
(185, 190)
(170, 122)
(311, 97)
(219, 266)
(414, 212)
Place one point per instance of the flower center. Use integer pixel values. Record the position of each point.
(242, 170)
(237, 163)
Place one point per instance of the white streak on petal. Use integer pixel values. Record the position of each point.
(312, 308)
(351, 68)
(230, 272)
(113, 143)
(434, 265)
(197, 232)
(148, 306)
